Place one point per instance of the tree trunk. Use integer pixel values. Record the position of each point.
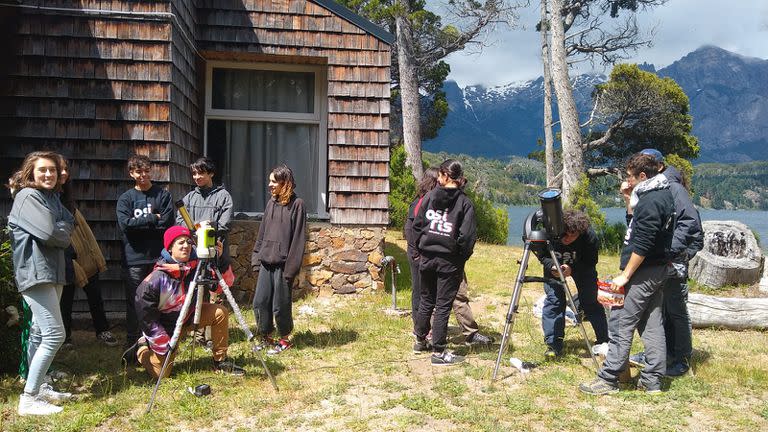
(409, 96)
(573, 159)
(549, 152)
(731, 313)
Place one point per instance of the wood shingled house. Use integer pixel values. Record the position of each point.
(250, 83)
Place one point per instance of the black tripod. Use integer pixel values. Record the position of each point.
(201, 281)
(538, 241)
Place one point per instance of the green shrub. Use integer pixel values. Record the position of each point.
(610, 236)
(10, 337)
(492, 222)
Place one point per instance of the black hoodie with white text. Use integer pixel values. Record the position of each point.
(445, 229)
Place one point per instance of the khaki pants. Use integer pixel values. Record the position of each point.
(463, 311)
(211, 314)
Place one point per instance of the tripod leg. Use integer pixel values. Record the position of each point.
(572, 305)
(175, 338)
(244, 326)
(512, 308)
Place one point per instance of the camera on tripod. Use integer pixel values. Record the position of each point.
(205, 233)
(546, 223)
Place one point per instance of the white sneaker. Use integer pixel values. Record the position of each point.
(48, 394)
(32, 405)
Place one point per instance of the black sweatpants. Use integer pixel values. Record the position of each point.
(95, 305)
(273, 300)
(438, 290)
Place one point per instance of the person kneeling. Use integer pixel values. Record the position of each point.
(159, 299)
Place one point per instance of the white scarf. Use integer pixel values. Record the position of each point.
(658, 181)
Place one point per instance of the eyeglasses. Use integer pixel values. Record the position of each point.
(185, 241)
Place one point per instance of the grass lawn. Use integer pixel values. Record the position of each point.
(352, 369)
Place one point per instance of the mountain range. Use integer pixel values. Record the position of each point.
(728, 94)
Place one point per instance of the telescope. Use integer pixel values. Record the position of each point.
(541, 228)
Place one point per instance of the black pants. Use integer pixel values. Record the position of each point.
(95, 305)
(132, 278)
(415, 289)
(273, 301)
(438, 290)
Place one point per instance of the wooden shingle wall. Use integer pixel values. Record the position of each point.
(185, 119)
(96, 88)
(301, 31)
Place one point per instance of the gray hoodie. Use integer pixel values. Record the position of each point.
(40, 230)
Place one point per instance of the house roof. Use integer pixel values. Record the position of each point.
(367, 26)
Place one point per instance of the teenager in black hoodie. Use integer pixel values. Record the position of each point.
(577, 253)
(645, 266)
(277, 256)
(445, 231)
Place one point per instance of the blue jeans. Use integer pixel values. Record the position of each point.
(47, 333)
(641, 311)
(677, 322)
(553, 312)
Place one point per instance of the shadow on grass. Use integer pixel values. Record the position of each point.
(332, 338)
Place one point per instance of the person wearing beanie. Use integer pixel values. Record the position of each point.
(159, 299)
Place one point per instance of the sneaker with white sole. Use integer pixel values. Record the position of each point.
(107, 338)
(281, 345)
(48, 394)
(34, 405)
(446, 358)
(478, 339)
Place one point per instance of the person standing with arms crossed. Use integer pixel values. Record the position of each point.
(144, 212)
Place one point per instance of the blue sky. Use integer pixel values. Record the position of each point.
(681, 26)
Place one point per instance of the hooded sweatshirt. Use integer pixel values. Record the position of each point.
(281, 238)
(212, 204)
(688, 237)
(160, 297)
(649, 233)
(445, 229)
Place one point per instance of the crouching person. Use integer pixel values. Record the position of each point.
(159, 299)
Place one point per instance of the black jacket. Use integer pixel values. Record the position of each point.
(649, 233)
(281, 238)
(581, 255)
(688, 237)
(410, 237)
(445, 229)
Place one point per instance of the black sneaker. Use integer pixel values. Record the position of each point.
(229, 367)
(422, 346)
(478, 339)
(599, 387)
(677, 369)
(446, 358)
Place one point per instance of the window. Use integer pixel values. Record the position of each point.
(261, 115)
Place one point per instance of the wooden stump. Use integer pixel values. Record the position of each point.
(731, 313)
(730, 256)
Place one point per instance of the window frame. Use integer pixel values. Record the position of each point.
(319, 117)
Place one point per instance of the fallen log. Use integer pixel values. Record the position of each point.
(730, 313)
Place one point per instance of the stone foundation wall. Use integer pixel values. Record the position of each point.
(337, 259)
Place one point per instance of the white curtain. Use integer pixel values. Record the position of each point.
(252, 148)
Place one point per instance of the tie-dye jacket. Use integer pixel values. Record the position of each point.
(159, 299)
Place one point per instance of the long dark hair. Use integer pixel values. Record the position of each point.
(67, 192)
(428, 182)
(286, 184)
(453, 169)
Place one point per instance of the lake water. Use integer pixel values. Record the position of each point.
(755, 219)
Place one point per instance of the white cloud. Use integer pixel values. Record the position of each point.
(681, 26)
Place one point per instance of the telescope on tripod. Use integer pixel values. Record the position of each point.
(206, 251)
(541, 229)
